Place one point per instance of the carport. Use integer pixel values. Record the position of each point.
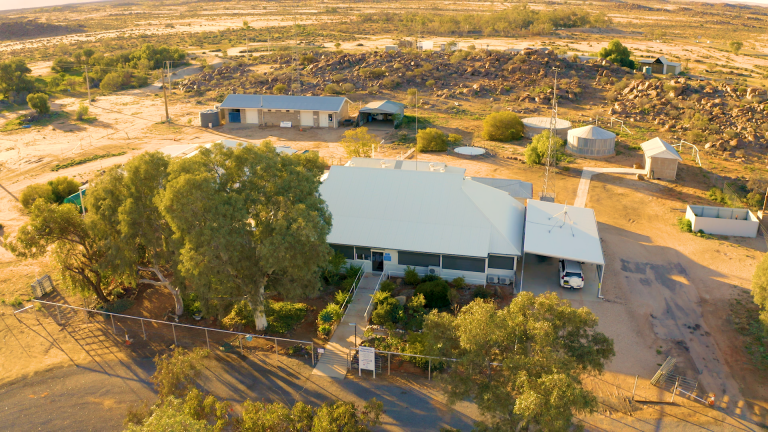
(384, 113)
(557, 231)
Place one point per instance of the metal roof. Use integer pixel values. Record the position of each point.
(543, 122)
(283, 102)
(659, 148)
(515, 188)
(407, 165)
(591, 131)
(421, 211)
(233, 143)
(561, 231)
(383, 107)
(660, 59)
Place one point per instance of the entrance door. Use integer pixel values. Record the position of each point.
(307, 119)
(377, 261)
(234, 117)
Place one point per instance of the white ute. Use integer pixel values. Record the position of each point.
(571, 275)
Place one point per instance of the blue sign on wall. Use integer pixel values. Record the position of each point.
(387, 256)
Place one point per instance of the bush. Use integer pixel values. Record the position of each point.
(411, 276)
(387, 286)
(112, 82)
(332, 89)
(387, 311)
(54, 83)
(502, 126)
(240, 316)
(337, 78)
(536, 152)
(348, 88)
(279, 89)
(390, 82)
(324, 330)
(481, 293)
(431, 139)
(455, 139)
(435, 293)
(459, 282)
(685, 225)
(372, 90)
(330, 314)
(429, 278)
(82, 112)
(340, 297)
(430, 83)
(39, 103)
(283, 317)
(34, 192)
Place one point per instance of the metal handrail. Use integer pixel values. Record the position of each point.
(355, 284)
(174, 324)
(378, 284)
(694, 151)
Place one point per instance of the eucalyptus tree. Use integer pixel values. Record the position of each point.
(523, 364)
(136, 236)
(246, 219)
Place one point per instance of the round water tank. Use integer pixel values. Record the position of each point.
(536, 125)
(209, 118)
(591, 141)
(469, 151)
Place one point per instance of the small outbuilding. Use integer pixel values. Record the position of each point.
(660, 159)
(723, 221)
(661, 65)
(284, 110)
(385, 112)
(536, 125)
(591, 141)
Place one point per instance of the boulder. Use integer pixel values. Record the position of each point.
(401, 300)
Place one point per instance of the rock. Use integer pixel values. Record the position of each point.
(639, 177)
(736, 143)
(401, 300)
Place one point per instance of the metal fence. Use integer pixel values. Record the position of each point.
(385, 358)
(132, 330)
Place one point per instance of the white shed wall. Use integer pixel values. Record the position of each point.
(722, 226)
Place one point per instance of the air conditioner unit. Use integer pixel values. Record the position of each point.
(493, 279)
(505, 280)
(433, 270)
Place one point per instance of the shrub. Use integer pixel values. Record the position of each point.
(685, 225)
(140, 80)
(387, 286)
(34, 192)
(348, 88)
(39, 103)
(411, 276)
(429, 278)
(431, 139)
(279, 89)
(387, 310)
(481, 293)
(307, 59)
(536, 152)
(330, 314)
(240, 316)
(54, 83)
(324, 330)
(372, 90)
(112, 82)
(459, 282)
(82, 112)
(459, 56)
(283, 317)
(332, 89)
(62, 187)
(340, 297)
(337, 78)
(455, 139)
(435, 293)
(502, 126)
(390, 82)
(430, 83)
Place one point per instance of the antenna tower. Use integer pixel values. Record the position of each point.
(548, 189)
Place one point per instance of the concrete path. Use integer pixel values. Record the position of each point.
(333, 363)
(586, 177)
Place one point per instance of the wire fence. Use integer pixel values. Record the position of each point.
(145, 332)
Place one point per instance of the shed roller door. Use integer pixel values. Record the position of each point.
(306, 118)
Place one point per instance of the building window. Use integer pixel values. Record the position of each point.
(418, 259)
(347, 251)
(464, 263)
(363, 253)
(501, 262)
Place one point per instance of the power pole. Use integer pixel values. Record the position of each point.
(165, 94)
(87, 84)
(548, 189)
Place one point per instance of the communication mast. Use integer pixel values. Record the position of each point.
(548, 189)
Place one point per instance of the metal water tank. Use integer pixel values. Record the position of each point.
(209, 118)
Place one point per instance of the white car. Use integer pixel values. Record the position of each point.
(571, 275)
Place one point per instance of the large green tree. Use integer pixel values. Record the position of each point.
(522, 364)
(123, 204)
(760, 289)
(618, 54)
(246, 219)
(76, 248)
(13, 77)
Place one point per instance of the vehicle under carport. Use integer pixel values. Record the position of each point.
(381, 114)
(557, 231)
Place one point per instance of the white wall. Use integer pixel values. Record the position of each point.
(250, 116)
(724, 224)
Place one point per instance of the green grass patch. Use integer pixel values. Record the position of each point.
(44, 120)
(81, 161)
(282, 317)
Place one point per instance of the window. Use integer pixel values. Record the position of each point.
(464, 263)
(418, 259)
(347, 251)
(363, 253)
(501, 262)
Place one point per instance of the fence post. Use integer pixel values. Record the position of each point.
(207, 342)
(276, 352)
(675, 390)
(389, 361)
(240, 339)
(313, 353)
(59, 314)
(112, 317)
(430, 370)
(634, 388)
(142, 330)
(173, 327)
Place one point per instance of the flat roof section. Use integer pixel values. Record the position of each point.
(562, 231)
(283, 102)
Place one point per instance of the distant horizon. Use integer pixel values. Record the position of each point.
(6, 5)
